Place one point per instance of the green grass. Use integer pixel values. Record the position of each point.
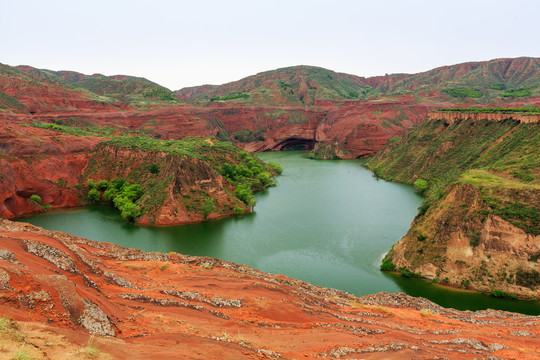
(487, 179)
(464, 92)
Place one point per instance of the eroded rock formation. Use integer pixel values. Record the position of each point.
(154, 305)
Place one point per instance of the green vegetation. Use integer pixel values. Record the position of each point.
(388, 265)
(142, 183)
(275, 167)
(481, 152)
(529, 278)
(421, 185)
(232, 96)
(161, 94)
(531, 110)
(502, 294)
(208, 207)
(247, 135)
(517, 92)
(122, 194)
(464, 92)
(474, 238)
(497, 86)
(490, 168)
(9, 102)
(36, 198)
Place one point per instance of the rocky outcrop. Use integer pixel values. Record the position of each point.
(173, 195)
(54, 166)
(216, 309)
(38, 162)
(478, 227)
(457, 244)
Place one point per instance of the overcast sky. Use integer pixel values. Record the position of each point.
(187, 43)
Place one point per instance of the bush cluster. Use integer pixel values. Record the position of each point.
(248, 177)
(122, 194)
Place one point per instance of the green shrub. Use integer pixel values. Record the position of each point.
(238, 210)
(154, 168)
(275, 167)
(421, 185)
(36, 198)
(388, 265)
(502, 294)
(130, 211)
(527, 278)
(102, 185)
(424, 208)
(474, 238)
(243, 193)
(208, 207)
(90, 184)
(463, 92)
(265, 178)
(93, 195)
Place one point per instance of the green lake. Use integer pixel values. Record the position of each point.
(326, 222)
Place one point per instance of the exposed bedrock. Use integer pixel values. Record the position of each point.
(149, 303)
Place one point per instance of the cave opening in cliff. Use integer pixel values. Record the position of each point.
(295, 144)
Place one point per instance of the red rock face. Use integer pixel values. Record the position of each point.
(214, 309)
(35, 162)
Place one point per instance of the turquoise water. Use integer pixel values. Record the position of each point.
(327, 222)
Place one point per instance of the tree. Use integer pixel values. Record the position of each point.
(36, 198)
(265, 178)
(275, 167)
(243, 192)
(154, 168)
(208, 207)
(421, 185)
(102, 185)
(130, 211)
(93, 195)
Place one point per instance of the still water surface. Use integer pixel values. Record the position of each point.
(327, 222)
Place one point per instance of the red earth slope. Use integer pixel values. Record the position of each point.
(176, 306)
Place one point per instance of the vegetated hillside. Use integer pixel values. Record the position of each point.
(479, 82)
(61, 289)
(175, 181)
(129, 90)
(150, 181)
(291, 86)
(479, 227)
(336, 115)
(21, 92)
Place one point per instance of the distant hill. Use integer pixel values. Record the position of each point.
(480, 82)
(27, 89)
(297, 85)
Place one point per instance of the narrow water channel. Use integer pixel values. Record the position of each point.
(327, 222)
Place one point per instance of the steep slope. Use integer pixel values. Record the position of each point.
(46, 165)
(479, 227)
(154, 306)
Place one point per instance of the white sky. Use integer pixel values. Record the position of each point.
(186, 43)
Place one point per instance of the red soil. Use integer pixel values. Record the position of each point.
(176, 306)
